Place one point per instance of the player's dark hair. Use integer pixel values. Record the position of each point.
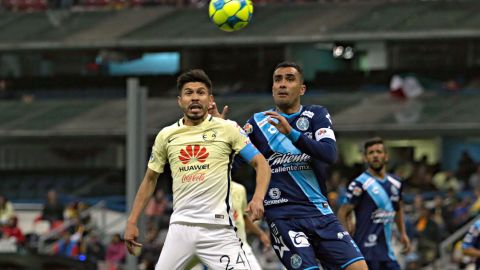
(294, 65)
(372, 141)
(194, 75)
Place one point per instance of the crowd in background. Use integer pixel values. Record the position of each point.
(438, 203)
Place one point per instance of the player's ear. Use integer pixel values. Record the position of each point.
(303, 88)
(178, 101)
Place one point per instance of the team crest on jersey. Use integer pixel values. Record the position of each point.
(193, 152)
(248, 128)
(302, 123)
(296, 261)
(209, 135)
(375, 190)
(274, 193)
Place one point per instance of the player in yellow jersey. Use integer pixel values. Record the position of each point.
(199, 149)
(243, 223)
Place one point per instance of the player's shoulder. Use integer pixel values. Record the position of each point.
(395, 180)
(363, 178)
(168, 130)
(314, 109)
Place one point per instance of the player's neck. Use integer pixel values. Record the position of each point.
(380, 174)
(189, 122)
(289, 109)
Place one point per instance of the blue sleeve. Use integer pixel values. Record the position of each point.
(354, 192)
(248, 152)
(322, 145)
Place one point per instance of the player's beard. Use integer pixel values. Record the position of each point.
(377, 167)
(195, 116)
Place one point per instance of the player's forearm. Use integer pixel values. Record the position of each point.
(324, 150)
(473, 252)
(400, 221)
(343, 216)
(262, 177)
(144, 193)
(252, 227)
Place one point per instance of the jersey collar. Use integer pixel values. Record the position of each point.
(208, 119)
(291, 115)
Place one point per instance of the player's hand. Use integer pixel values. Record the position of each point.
(265, 239)
(213, 110)
(279, 122)
(255, 209)
(406, 243)
(130, 237)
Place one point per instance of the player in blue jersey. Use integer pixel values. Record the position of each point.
(299, 143)
(376, 198)
(471, 243)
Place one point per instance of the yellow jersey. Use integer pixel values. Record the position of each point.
(239, 204)
(200, 159)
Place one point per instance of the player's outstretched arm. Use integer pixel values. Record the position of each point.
(144, 193)
(255, 207)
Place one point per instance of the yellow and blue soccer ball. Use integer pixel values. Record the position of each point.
(230, 15)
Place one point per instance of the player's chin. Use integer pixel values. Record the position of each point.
(195, 116)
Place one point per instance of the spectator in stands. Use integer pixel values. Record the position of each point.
(6, 210)
(475, 208)
(12, 231)
(429, 236)
(116, 252)
(474, 179)
(151, 248)
(466, 166)
(68, 245)
(52, 209)
(95, 250)
(156, 211)
(446, 180)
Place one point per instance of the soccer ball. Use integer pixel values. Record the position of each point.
(230, 15)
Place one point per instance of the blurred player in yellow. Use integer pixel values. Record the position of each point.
(199, 149)
(244, 224)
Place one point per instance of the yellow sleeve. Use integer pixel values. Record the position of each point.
(238, 137)
(158, 157)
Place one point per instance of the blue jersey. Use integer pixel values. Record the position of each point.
(376, 202)
(472, 240)
(298, 161)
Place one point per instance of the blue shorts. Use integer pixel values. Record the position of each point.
(299, 242)
(383, 265)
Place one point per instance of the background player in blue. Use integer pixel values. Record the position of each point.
(471, 243)
(376, 198)
(299, 143)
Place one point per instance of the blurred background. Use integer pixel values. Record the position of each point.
(406, 70)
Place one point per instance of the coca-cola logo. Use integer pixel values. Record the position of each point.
(194, 177)
(193, 152)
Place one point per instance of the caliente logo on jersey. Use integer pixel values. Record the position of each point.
(193, 152)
